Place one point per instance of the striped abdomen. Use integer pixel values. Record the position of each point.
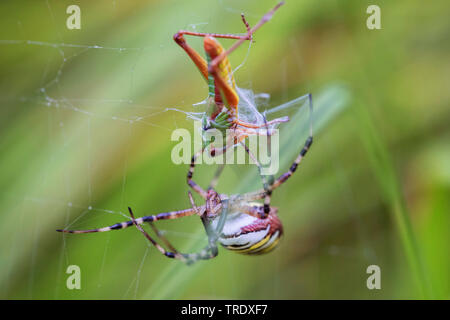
(246, 234)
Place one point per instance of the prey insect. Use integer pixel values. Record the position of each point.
(223, 95)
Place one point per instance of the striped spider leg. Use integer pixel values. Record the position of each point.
(252, 227)
(213, 207)
(268, 184)
(268, 188)
(216, 70)
(266, 228)
(209, 252)
(237, 222)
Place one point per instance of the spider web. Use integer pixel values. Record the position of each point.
(73, 131)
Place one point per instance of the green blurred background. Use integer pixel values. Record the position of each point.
(375, 188)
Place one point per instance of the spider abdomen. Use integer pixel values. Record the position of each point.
(247, 234)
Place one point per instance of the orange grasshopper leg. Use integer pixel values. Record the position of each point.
(201, 63)
(223, 75)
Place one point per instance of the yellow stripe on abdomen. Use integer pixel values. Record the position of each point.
(254, 247)
(266, 245)
(269, 248)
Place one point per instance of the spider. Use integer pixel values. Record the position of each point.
(237, 222)
(216, 70)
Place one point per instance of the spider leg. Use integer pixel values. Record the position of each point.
(168, 254)
(278, 182)
(208, 252)
(281, 179)
(162, 237)
(194, 206)
(302, 153)
(263, 177)
(265, 184)
(294, 165)
(211, 250)
(126, 224)
(215, 179)
(190, 174)
(255, 160)
(256, 211)
(267, 193)
(213, 152)
(266, 124)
